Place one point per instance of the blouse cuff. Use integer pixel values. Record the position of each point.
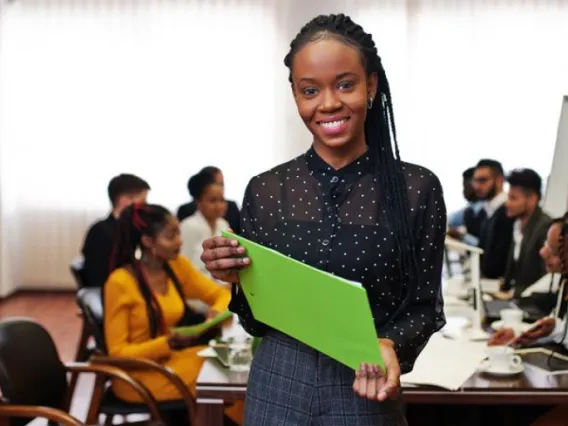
(240, 306)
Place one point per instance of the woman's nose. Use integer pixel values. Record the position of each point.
(330, 101)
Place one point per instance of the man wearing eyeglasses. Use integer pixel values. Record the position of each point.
(497, 228)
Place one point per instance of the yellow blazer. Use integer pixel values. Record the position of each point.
(127, 330)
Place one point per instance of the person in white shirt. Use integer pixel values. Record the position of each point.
(207, 221)
(548, 329)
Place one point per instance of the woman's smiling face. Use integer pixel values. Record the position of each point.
(332, 91)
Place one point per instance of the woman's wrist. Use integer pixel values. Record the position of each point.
(387, 342)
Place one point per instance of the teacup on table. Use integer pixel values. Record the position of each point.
(502, 359)
(512, 318)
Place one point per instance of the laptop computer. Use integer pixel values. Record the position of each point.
(532, 312)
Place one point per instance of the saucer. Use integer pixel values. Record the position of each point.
(487, 368)
(521, 327)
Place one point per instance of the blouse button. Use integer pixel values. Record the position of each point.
(325, 242)
(334, 179)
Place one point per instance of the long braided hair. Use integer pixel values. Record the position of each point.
(136, 221)
(380, 131)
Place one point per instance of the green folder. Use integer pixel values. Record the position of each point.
(324, 311)
(194, 330)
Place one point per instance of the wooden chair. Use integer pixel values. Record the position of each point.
(83, 351)
(34, 380)
(90, 302)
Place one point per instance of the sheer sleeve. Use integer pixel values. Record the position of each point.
(196, 285)
(239, 304)
(422, 313)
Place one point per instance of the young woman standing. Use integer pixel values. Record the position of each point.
(351, 207)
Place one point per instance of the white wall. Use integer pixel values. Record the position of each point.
(556, 198)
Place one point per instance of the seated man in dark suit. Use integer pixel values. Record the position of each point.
(496, 231)
(524, 264)
(123, 190)
(233, 214)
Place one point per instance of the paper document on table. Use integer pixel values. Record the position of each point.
(489, 285)
(446, 363)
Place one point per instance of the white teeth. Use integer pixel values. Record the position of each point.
(334, 123)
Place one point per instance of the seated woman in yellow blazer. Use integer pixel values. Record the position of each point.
(144, 298)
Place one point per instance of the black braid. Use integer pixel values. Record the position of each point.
(380, 133)
(134, 222)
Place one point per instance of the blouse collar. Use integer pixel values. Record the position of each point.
(358, 167)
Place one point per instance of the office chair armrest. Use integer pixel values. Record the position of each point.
(117, 374)
(145, 364)
(53, 414)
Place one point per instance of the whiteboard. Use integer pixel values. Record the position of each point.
(556, 196)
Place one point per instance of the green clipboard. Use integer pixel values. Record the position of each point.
(194, 330)
(324, 311)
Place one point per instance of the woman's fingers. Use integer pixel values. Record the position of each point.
(360, 384)
(500, 337)
(215, 242)
(373, 377)
(223, 257)
(222, 252)
(227, 264)
(370, 382)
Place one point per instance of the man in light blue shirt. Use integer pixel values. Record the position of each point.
(468, 216)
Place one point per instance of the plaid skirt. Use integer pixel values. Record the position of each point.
(291, 384)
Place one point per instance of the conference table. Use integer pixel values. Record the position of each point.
(217, 386)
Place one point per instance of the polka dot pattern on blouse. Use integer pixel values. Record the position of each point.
(333, 220)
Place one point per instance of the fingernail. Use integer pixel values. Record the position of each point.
(234, 243)
(245, 260)
(241, 250)
(382, 395)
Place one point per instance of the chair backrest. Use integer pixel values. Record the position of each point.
(77, 268)
(31, 372)
(90, 301)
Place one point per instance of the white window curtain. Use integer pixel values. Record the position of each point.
(90, 88)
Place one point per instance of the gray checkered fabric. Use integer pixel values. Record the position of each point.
(291, 384)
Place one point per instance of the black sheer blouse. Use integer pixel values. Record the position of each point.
(332, 220)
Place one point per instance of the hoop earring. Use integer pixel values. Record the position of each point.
(370, 103)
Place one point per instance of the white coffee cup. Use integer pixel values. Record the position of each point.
(503, 358)
(511, 317)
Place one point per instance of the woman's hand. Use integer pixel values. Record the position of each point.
(372, 383)
(223, 258)
(211, 314)
(542, 328)
(503, 336)
(177, 342)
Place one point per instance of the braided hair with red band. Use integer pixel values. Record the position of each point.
(135, 222)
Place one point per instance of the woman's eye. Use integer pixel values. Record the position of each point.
(310, 91)
(344, 85)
